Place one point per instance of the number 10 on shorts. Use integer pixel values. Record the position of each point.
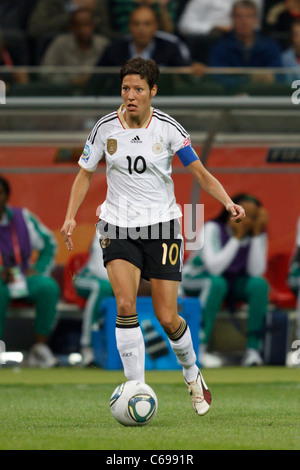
(170, 254)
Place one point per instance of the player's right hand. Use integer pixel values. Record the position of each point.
(237, 212)
(66, 231)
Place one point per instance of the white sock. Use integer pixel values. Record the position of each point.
(131, 347)
(184, 350)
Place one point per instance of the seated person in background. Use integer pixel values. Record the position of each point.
(205, 16)
(144, 40)
(79, 48)
(294, 275)
(203, 21)
(166, 11)
(291, 57)
(7, 60)
(21, 235)
(230, 267)
(147, 41)
(279, 19)
(92, 284)
(245, 46)
(14, 15)
(51, 17)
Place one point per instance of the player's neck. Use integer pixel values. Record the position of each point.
(136, 122)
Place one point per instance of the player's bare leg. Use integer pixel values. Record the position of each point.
(125, 278)
(164, 297)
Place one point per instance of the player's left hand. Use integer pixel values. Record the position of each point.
(237, 212)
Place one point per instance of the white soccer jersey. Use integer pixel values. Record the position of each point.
(138, 167)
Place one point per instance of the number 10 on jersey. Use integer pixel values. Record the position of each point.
(137, 164)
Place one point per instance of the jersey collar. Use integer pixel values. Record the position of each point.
(121, 117)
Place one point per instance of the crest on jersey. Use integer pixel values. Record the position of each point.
(105, 242)
(158, 147)
(112, 146)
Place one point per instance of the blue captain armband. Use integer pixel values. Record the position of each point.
(187, 155)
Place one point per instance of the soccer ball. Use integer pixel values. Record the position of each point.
(133, 403)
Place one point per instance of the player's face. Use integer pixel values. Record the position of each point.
(137, 97)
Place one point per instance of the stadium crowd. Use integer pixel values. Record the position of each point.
(196, 33)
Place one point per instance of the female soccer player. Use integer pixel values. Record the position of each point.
(139, 226)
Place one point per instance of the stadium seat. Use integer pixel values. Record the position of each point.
(280, 293)
(72, 267)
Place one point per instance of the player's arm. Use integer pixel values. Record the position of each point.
(77, 195)
(209, 183)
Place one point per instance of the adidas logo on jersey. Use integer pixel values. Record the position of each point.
(136, 140)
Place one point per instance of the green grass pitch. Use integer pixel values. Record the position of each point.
(68, 408)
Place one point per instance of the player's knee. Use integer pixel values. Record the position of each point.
(126, 306)
(169, 324)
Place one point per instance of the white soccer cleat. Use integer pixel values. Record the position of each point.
(41, 356)
(200, 395)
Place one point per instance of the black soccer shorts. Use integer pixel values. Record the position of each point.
(157, 250)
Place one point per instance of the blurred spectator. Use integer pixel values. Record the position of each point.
(245, 46)
(79, 48)
(51, 17)
(21, 235)
(202, 21)
(10, 58)
(147, 41)
(279, 19)
(166, 11)
(230, 267)
(14, 16)
(291, 57)
(92, 284)
(204, 16)
(144, 40)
